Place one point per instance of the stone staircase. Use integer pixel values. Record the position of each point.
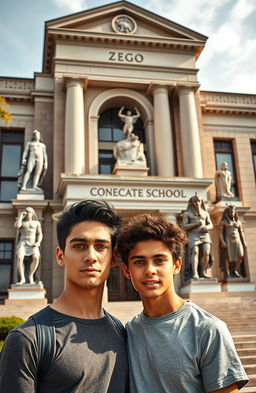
(238, 312)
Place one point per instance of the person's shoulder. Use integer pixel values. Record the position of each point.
(134, 321)
(24, 331)
(203, 317)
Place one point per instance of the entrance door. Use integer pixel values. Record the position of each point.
(119, 287)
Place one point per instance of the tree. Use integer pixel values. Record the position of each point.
(4, 114)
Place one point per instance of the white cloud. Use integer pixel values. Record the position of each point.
(72, 5)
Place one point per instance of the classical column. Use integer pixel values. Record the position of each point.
(74, 127)
(163, 133)
(191, 152)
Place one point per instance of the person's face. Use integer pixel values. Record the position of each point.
(29, 214)
(129, 113)
(151, 268)
(36, 135)
(231, 212)
(197, 204)
(87, 255)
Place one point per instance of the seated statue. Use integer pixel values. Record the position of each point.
(232, 241)
(223, 182)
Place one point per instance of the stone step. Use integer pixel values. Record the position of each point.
(252, 381)
(248, 389)
(250, 368)
(250, 359)
(247, 351)
(246, 344)
(239, 338)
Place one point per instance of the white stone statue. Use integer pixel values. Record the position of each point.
(129, 151)
(197, 223)
(28, 243)
(223, 182)
(232, 242)
(34, 164)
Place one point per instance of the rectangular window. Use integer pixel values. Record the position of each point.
(11, 146)
(106, 162)
(6, 264)
(224, 153)
(253, 146)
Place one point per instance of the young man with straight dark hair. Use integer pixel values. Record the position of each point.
(174, 346)
(90, 346)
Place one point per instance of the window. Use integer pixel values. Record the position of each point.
(224, 153)
(110, 132)
(6, 261)
(253, 146)
(11, 145)
(106, 162)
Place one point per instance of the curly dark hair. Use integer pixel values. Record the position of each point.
(150, 227)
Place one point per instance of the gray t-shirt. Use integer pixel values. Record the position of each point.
(188, 350)
(91, 357)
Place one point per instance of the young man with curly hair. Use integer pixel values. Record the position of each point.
(174, 346)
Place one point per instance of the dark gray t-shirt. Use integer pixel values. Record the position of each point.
(91, 357)
(188, 350)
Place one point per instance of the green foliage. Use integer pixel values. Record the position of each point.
(4, 114)
(1, 345)
(8, 323)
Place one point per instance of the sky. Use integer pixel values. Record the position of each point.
(227, 63)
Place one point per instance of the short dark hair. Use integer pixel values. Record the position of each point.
(88, 210)
(150, 227)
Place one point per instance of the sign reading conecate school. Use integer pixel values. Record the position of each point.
(138, 193)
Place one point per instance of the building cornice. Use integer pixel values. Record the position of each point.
(114, 39)
(229, 103)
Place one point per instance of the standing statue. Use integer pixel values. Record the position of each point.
(128, 120)
(232, 241)
(34, 163)
(129, 151)
(29, 240)
(197, 223)
(223, 182)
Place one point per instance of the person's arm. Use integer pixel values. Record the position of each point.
(188, 225)
(18, 223)
(18, 365)
(25, 154)
(39, 235)
(219, 363)
(45, 157)
(137, 115)
(228, 389)
(120, 113)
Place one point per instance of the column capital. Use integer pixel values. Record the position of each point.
(160, 87)
(72, 82)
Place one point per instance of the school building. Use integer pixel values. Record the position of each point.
(95, 62)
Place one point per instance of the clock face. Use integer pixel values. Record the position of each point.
(124, 24)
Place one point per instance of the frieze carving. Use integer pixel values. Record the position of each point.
(124, 24)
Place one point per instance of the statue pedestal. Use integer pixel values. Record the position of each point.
(237, 285)
(130, 171)
(31, 194)
(32, 294)
(201, 286)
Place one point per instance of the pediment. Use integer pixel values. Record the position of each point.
(100, 21)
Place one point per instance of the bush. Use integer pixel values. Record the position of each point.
(1, 345)
(8, 323)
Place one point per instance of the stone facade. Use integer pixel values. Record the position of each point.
(87, 71)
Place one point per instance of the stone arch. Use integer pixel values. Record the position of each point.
(118, 97)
